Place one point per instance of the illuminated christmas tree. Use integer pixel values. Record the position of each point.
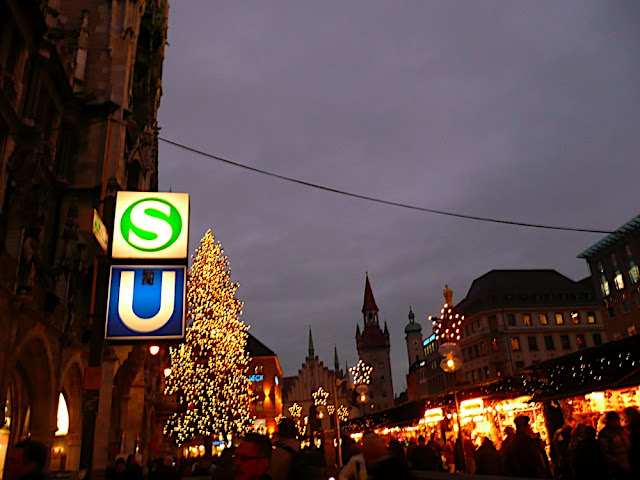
(208, 370)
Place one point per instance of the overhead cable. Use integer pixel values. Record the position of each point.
(379, 200)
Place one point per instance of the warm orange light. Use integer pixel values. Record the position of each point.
(154, 349)
(434, 415)
(450, 363)
(470, 408)
(167, 372)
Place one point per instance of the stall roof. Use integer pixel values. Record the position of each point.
(608, 366)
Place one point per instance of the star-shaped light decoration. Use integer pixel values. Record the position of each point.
(295, 410)
(361, 373)
(320, 397)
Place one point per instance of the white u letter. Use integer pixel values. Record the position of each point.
(125, 303)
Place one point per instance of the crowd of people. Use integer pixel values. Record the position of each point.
(576, 452)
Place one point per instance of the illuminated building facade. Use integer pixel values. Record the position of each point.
(615, 272)
(517, 318)
(266, 380)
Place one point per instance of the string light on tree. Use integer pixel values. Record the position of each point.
(361, 373)
(331, 409)
(320, 397)
(295, 410)
(208, 370)
(278, 418)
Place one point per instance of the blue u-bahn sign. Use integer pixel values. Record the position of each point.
(146, 302)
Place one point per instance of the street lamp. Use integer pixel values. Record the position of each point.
(448, 329)
(336, 384)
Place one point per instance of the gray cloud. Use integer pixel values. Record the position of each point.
(520, 110)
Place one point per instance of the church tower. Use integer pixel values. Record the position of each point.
(413, 336)
(373, 348)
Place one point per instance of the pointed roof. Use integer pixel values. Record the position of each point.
(311, 350)
(256, 348)
(336, 362)
(369, 304)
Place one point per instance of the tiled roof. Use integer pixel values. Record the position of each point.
(610, 239)
(518, 288)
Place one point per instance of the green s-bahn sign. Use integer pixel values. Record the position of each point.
(151, 225)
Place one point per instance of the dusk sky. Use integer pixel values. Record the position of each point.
(525, 111)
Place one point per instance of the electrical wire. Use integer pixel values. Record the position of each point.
(379, 200)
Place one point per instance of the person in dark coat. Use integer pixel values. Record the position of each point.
(560, 453)
(488, 459)
(423, 457)
(26, 461)
(134, 471)
(380, 463)
(396, 448)
(633, 430)
(588, 461)
(524, 458)
(616, 445)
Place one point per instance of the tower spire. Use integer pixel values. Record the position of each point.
(311, 351)
(336, 362)
(369, 307)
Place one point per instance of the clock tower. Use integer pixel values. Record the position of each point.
(373, 348)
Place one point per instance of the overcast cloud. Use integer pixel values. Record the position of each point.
(528, 111)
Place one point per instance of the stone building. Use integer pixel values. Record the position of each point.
(313, 374)
(516, 318)
(425, 377)
(373, 348)
(615, 273)
(80, 89)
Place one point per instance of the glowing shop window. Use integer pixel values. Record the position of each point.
(515, 344)
(526, 320)
(63, 417)
(575, 318)
(543, 319)
(591, 317)
(559, 319)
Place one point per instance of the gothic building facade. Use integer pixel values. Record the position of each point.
(298, 392)
(80, 89)
(373, 348)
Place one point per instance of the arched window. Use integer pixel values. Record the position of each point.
(63, 417)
